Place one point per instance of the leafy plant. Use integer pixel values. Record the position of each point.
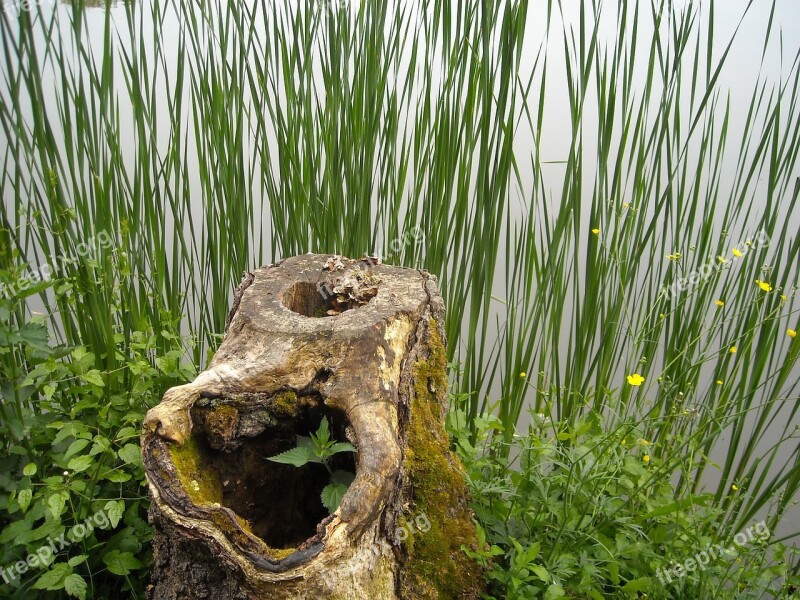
(320, 448)
(588, 509)
(71, 477)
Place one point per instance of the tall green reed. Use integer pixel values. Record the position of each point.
(239, 133)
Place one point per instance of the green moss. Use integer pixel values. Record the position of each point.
(222, 421)
(285, 404)
(200, 482)
(436, 565)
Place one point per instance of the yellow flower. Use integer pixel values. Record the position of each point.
(623, 442)
(791, 333)
(735, 487)
(646, 458)
(784, 298)
(596, 231)
(644, 442)
(720, 303)
(661, 316)
(720, 382)
(749, 243)
(626, 205)
(764, 285)
(635, 379)
(721, 260)
(737, 253)
(523, 374)
(733, 349)
(676, 256)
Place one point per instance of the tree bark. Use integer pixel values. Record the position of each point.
(356, 342)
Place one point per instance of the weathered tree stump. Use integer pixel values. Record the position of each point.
(314, 336)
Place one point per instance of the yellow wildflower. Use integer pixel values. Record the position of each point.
(644, 442)
(721, 260)
(635, 380)
(720, 382)
(720, 303)
(646, 458)
(523, 374)
(791, 333)
(784, 298)
(733, 349)
(737, 253)
(675, 256)
(596, 231)
(735, 487)
(764, 285)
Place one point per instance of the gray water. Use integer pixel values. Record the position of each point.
(745, 69)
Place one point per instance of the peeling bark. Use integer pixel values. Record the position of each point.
(313, 336)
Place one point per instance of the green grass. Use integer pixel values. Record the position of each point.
(247, 133)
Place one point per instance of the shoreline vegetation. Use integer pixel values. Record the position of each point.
(563, 168)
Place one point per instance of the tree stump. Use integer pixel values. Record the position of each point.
(312, 337)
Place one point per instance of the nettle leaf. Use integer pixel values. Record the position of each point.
(323, 434)
(298, 457)
(75, 585)
(342, 447)
(121, 563)
(332, 495)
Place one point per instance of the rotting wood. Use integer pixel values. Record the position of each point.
(314, 336)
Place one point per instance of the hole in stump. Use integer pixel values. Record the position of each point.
(328, 299)
(281, 503)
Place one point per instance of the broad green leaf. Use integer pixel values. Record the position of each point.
(296, 456)
(332, 496)
(77, 560)
(94, 377)
(130, 454)
(341, 447)
(29, 470)
(80, 463)
(54, 578)
(121, 563)
(75, 585)
(24, 499)
(56, 503)
(75, 447)
(323, 434)
(115, 510)
(541, 573)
